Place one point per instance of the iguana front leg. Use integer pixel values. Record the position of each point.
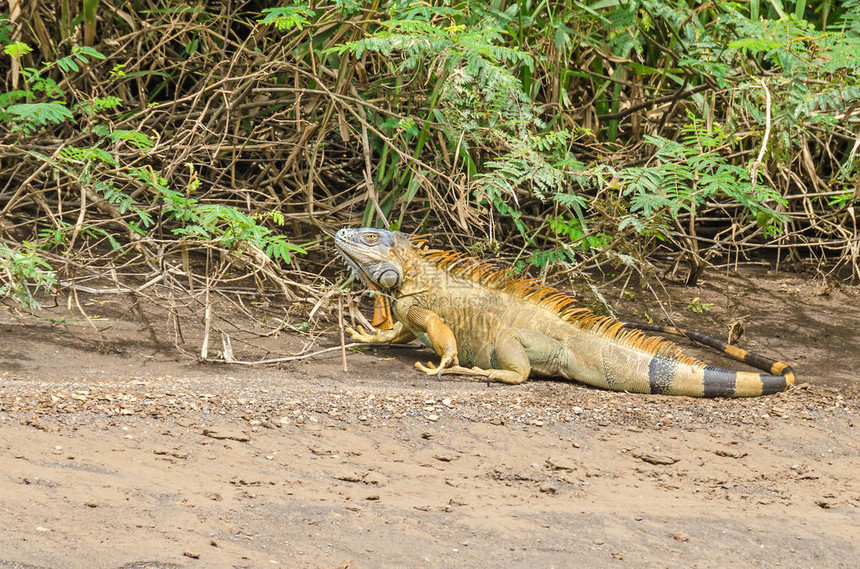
(440, 335)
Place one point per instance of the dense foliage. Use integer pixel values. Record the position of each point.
(152, 142)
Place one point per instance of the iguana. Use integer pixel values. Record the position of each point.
(508, 328)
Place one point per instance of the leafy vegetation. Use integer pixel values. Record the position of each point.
(24, 273)
(193, 146)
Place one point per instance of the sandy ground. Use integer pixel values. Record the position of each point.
(117, 451)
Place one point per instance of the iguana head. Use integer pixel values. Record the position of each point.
(372, 254)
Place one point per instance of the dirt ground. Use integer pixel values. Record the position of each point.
(118, 451)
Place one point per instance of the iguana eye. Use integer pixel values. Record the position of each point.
(370, 238)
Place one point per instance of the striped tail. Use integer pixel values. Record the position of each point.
(719, 382)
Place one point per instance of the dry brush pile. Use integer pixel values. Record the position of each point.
(194, 153)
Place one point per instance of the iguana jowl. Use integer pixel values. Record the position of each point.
(508, 328)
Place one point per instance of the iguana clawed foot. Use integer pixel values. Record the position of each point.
(502, 375)
(360, 335)
(438, 370)
(378, 338)
(396, 335)
(505, 376)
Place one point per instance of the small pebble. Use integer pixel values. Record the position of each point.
(375, 478)
(560, 463)
(226, 433)
(348, 476)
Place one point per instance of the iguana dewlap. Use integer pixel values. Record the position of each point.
(506, 328)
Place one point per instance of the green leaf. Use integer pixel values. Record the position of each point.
(754, 45)
(73, 154)
(135, 138)
(287, 17)
(40, 114)
(17, 49)
(89, 51)
(68, 64)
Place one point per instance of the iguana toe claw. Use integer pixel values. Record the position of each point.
(429, 369)
(447, 365)
(356, 334)
(360, 335)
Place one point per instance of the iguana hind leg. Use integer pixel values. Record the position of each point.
(511, 355)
